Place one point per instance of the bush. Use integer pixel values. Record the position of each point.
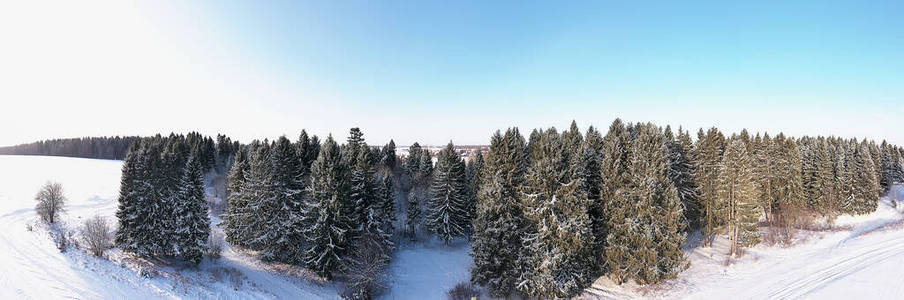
(50, 202)
(215, 244)
(464, 291)
(96, 235)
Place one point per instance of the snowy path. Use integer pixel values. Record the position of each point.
(863, 262)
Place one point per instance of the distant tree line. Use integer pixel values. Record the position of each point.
(545, 216)
(89, 147)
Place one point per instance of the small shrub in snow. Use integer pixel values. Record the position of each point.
(464, 291)
(28, 227)
(96, 235)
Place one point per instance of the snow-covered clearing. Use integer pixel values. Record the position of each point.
(861, 257)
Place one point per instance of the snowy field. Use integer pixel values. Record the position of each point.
(858, 257)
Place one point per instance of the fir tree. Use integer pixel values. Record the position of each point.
(614, 171)
(328, 212)
(862, 199)
(709, 151)
(498, 222)
(558, 238)
(737, 190)
(447, 210)
(192, 221)
(681, 172)
(281, 208)
(237, 215)
(646, 219)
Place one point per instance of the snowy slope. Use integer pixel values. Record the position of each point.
(34, 269)
(863, 260)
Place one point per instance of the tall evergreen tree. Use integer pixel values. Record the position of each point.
(614, 170)
(558, 238)
(681, 172)
(281, 207)
(447, 210)
(862, 199)
(498, 222)
(709, 151)
(646, 217)
(237, 215)
(192, 221)
(737, 191)
(328, 212)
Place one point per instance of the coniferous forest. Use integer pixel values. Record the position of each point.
(545, 214)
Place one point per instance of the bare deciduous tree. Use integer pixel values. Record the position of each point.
(96, 235)
(50, 201)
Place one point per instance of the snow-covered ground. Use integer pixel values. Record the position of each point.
(33, 268)
(862, 257)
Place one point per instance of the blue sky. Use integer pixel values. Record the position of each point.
(431, 71)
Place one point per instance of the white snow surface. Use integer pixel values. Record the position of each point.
(859, 257)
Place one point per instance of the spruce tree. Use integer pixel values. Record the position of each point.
(737, 191)
(281, 208)
(558, 238)
(681, 172)
(131, 198)
(447, 209)
(496, 242)
(863, 198)
(614, 171)
(327, 212)
(646, 219)
(237, 215)
(192, 220)
(709, 151)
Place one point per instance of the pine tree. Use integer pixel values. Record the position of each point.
(447, 209)
(363, 190)
(709, 151)
(558, 237)
(737, 191)
(498, 222)
(192, 221)
(328, 212)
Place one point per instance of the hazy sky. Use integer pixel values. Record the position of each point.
(431, 71)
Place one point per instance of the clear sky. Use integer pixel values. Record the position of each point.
(431, 71)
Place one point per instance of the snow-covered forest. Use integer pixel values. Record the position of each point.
(547, 215)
